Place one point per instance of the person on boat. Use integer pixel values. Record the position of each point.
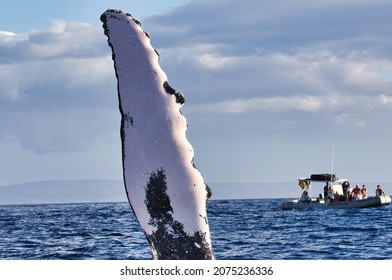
(331, 195)
(364, 192)
(358, 196)
(336, 197)
(379, 191)
(356, 191)
(346, 187)
(305, 197)
(325, 192)
(349, 193)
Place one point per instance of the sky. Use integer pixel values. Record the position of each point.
(275, 90)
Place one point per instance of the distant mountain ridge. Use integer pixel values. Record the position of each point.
(72, 191)
(96, 191)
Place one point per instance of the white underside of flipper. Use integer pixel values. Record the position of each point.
(167, 193)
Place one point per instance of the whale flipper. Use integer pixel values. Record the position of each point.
(166, 192)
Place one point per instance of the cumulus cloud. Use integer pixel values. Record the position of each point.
(283, 26)
(280, 82)
(330, 60)
(49, 80)
(290, 60)
(62, 39)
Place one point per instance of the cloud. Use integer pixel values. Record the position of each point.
(61, 40)
(330, 61)
(281, 26)
(276, 82)
(55, 87)
(272, 63)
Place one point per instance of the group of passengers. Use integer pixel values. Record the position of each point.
(330, 195)
(348, 194)
(354, 194)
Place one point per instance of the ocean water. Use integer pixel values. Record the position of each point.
(241, 229)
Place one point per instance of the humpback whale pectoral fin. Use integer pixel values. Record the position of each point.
(173, 228)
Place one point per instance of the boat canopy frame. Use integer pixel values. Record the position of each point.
(330, 179)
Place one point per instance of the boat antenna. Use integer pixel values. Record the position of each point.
(333, 152)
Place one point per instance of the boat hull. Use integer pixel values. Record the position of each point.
(375, 201)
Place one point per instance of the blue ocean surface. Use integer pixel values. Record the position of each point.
(241, 229)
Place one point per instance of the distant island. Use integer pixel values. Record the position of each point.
(99, 191)
(72, 191)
